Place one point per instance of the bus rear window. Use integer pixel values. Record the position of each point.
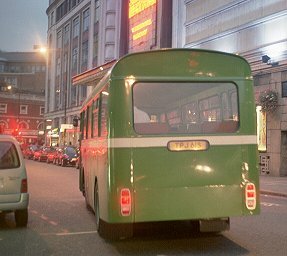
(187, 108)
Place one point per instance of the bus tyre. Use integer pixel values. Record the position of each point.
(82, 181)
(21, 218)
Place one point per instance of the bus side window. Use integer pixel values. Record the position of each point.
(103, 115)
(90, 121)
(84, 125)
(82, 118)
(87, 123)
(95, 117)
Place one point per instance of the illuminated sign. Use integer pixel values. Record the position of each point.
(137, 6)
(261, 129)
(142, 23)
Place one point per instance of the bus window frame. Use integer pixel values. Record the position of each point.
(87, 122)
(105, 89)
(95, 111)
(211, 106)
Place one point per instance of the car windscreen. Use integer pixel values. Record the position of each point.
(9, 157)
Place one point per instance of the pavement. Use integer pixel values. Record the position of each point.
(275, 186)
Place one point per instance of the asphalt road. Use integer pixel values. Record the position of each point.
(60, 224)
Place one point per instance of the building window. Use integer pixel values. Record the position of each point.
(86, 20)
(284, 89)
(3, 108)
(59, 39)
(74, 59)
(96, 33)
(84, 55)
(76, 27)
(67, 34)
(23, 126)
(73, 3)
(42, 110)
(23, 109)
(58, 67)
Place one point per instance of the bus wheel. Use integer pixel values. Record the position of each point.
(97, 209)
(104, 229)
(82, 181)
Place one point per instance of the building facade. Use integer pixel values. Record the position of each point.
(84, 34)
(257, 31)
(22, 95)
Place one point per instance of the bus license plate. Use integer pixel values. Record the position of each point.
(188, 145)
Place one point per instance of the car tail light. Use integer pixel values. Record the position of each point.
(250, 196)
(125, 202)
(24, 186)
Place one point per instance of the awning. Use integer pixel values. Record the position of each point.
(92, 76)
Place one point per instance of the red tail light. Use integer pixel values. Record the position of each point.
(126, 202)
(250, 196)
(24, 186)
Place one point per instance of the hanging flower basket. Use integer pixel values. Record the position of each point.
(268, 100)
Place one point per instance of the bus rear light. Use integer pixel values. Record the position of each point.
(250, 196)
(125, 202)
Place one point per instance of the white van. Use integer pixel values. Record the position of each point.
(14, 195)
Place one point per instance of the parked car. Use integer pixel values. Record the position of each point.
(56, 156)
(51, 155)
(29, 151)
(67, 156)
(38, 153)
(14, 195)
(42, 154)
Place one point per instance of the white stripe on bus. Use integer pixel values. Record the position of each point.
(162, 141)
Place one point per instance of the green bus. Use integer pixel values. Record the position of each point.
(170, 135)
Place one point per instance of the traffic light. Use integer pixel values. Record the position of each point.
(15, 132)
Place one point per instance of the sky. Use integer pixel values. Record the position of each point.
(23, 24)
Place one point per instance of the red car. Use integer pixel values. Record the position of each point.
(42, 154)
(51, 155)
(29, 151)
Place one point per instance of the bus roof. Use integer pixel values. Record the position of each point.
(170, 62)
(182, 63)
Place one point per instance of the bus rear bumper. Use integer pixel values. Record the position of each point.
(189, 203)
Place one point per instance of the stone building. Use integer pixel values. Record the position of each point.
(256, 30)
